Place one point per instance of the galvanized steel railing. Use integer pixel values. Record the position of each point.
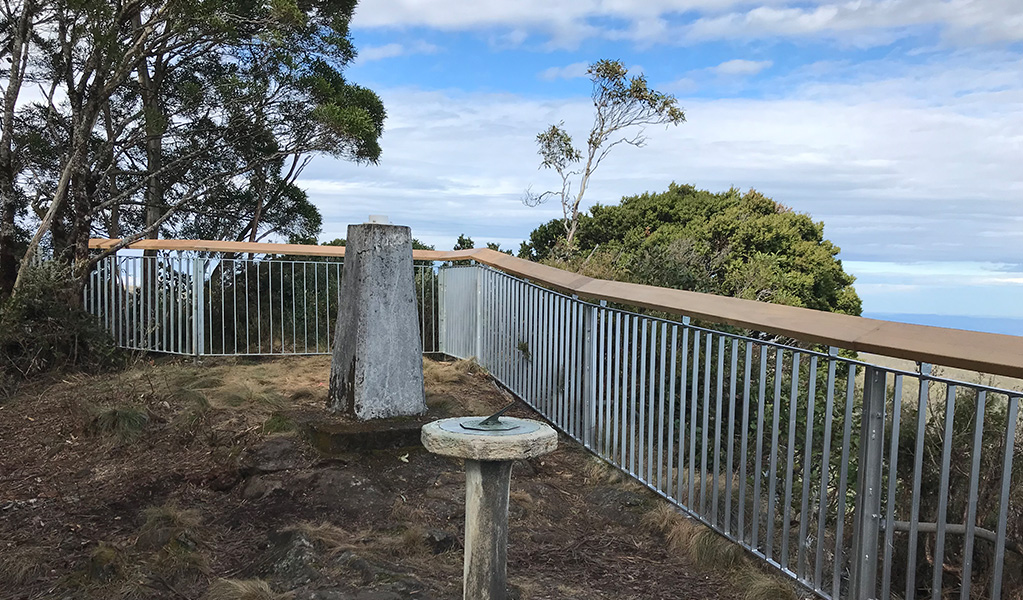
(855, 480)
(205, 305)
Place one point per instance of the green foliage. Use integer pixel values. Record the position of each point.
(464, 242)
(623, 105)
(965, 420)
(123, 422)
(731, 244)
(43, 329)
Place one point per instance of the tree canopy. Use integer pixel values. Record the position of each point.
(730, 243)
(182, 117)
(622, 106)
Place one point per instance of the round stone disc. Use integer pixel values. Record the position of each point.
(507, 426)
(530, 438)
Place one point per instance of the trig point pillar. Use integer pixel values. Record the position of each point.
(377, 366)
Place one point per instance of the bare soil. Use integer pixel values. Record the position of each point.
(215, 480)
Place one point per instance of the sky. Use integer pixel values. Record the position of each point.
(898, 123)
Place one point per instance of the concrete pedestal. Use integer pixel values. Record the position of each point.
(377, 366)
(488, 464)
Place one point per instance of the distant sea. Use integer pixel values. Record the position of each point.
(989, 324)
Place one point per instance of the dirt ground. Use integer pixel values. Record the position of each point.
(174, 480)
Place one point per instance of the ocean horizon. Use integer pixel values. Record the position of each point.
(1004, 325)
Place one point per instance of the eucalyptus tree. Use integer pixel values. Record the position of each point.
(156, 113)
(622, 106)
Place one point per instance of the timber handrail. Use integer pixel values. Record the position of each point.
(992, 353)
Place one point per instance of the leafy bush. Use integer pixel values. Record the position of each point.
(44, 328)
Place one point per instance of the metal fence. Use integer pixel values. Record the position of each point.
(855, 480)
(206, 305)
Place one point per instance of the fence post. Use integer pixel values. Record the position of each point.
(442, 317)
(198, 303)
(867, 516)
(479, 314)
(589, 374)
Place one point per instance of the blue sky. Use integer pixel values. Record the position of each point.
(897, 123)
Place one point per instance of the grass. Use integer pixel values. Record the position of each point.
(21, 565)
(241, 589)
(124, 422)
(710, 550)
(277, 424)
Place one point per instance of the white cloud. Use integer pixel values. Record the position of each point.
(572, 71)
(916, 166)
(393, 50)
(741, 67)
(854, 22)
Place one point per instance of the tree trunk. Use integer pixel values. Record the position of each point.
(8, 195)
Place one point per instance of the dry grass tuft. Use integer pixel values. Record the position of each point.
(172, 517)
(21, 565)
(330, 536)
(711, 550)
(757, 585)
(597, 471)
(677, 529)
(242, 589)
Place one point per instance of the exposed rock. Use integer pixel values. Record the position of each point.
(441, 541)
(259, 486)
(296, 560)
(274, 454)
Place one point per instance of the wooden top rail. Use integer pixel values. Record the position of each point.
(992, 353)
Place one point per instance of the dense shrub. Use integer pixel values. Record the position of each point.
(45, 328)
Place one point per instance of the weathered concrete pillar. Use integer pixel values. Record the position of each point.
(488, 453)
(377, 366)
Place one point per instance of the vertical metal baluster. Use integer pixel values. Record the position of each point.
(893, 470)
(660, 410)
(759, 458)
(559, 373)
(673, 472)
(772, 482)
(607, 373)
(804, 510)
(843, 482)
(316, 300)
(715, 476)
(694, 400)
(790, 458)
(294, 319)
(182, 291)
(259, 310)
(633, 391)
(543, 347)
(942, 522)
(281, 293)
(328, 332)
(650, 403)
(822, 499)
(616, 375)
(729, 482)
(270, 302)
(708, 355)
(305, 307)
(574, 362)
(744, 441)
(683, 390)
(645, 347)
(1011, 418)
(234, 303)
(971, 511)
